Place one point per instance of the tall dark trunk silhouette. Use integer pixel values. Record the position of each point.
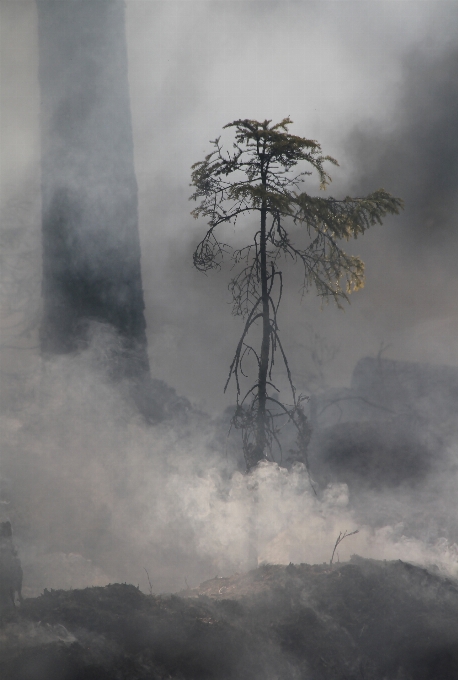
(91, 248)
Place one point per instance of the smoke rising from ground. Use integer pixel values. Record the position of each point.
(96, 496)
(93, 494)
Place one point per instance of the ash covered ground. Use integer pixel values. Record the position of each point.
(363, 619)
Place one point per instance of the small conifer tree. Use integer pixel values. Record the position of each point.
(259, 175)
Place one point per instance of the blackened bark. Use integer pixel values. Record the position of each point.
(259, 451)
(91, 248)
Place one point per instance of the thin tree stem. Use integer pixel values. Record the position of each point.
(261, 439)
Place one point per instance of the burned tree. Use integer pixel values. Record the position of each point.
(91, 247)
(258, 176)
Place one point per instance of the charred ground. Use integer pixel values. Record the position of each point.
(364, 619)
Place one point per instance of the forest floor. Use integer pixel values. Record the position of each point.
(360, 620)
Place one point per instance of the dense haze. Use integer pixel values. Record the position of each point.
(93, 493)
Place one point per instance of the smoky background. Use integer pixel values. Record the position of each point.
(93, 493)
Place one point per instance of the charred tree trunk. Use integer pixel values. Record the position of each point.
(91, 248)
(259, 451)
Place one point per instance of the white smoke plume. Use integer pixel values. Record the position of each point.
(97, 496)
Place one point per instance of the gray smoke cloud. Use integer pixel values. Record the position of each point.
(96, 496)
(417, 158)
(93, 494)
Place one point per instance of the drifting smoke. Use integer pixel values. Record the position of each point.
(95, 495)
(417, 157)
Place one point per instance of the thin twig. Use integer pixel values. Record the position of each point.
(340, 538)
(149, 582)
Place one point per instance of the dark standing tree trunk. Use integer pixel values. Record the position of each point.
(91, 248)
(261, 440)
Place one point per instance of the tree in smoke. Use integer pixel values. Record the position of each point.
(256, 177)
